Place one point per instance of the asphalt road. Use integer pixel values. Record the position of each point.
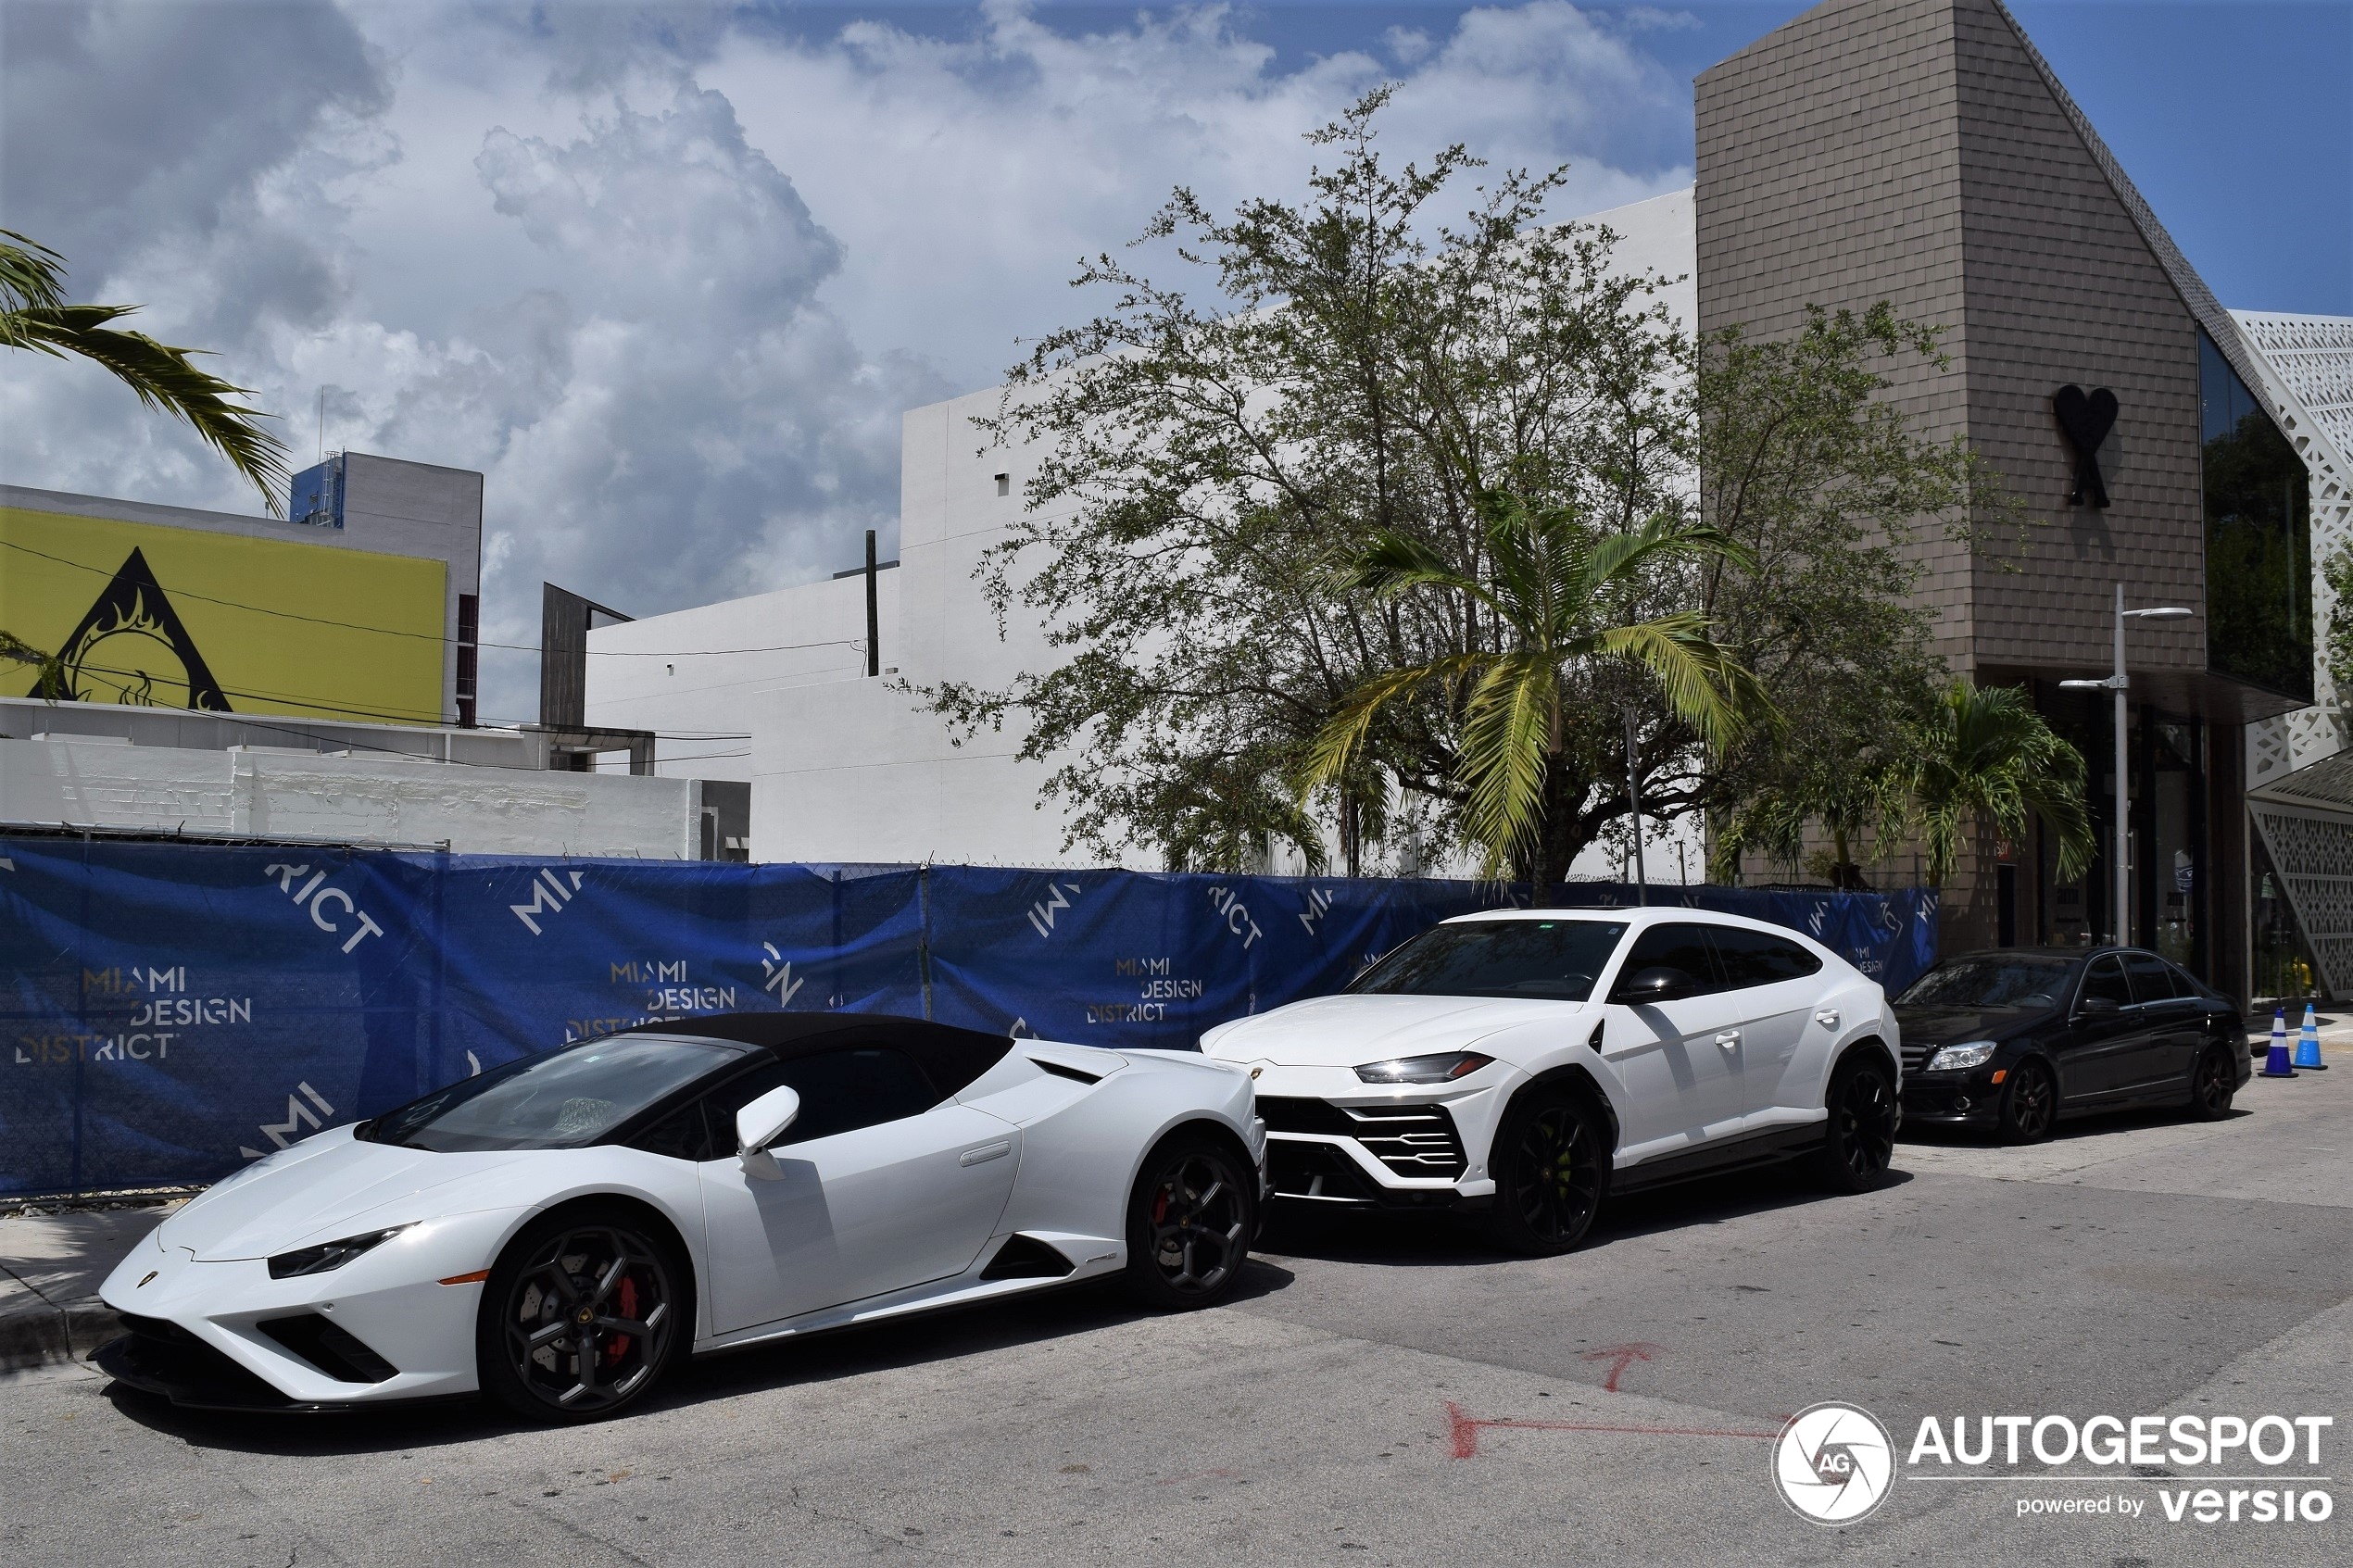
(1345, 1410)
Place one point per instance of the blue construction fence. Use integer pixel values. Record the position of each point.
(173, 1008)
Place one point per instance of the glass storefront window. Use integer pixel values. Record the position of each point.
(2283, 968)
(2258, 561)
(2171, 875)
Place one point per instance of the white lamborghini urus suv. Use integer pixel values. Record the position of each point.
(1529, 1064)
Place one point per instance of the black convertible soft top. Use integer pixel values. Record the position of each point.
(950, 1056)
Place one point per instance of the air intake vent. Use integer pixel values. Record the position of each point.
(1413, 1140)
(1025, 1257)
(1060, 1069)
(332, 1350)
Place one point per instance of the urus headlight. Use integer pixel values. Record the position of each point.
(1424, 1069)
(1970, 1053)
(329, 1255)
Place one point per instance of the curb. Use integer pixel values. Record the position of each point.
(49, 1335)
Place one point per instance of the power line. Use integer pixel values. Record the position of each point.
(430, 637)
(99, 671)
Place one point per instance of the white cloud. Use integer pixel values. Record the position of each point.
(666, 276)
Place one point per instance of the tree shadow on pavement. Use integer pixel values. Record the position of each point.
(819, 1358)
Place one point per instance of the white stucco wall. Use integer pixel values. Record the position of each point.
(356, 799)
(692, 676)
(853, 769)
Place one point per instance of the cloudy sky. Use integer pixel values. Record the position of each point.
(668, 275)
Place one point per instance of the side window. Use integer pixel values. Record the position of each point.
(1674, 946)
(2106, 978)
(2188, 984)
(860, 1086)
(1752, 958)
(2152, 978)
(681, 1136)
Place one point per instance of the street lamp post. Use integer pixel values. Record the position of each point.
(2120, 920)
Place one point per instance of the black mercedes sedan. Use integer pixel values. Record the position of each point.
(2014, 1039)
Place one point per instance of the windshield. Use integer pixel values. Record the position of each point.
(562, 1100)
(1991, 982)
(1556, 959)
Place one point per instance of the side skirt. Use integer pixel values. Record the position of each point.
(1099, 1257)
(1767, 1148)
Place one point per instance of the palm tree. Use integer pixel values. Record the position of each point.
(1561, 602)
(34, 315)
(1986, 757)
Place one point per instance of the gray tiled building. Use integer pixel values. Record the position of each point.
(1923, 153)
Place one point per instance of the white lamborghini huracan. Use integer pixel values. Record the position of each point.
(1524, 1064)
(556, 1232)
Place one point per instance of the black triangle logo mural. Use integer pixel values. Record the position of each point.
(131, 648)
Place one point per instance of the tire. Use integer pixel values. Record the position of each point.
(597, 1282)
(2213, 1082)
(1190, 1223)
(2029, 1104)
(1861, 1136)
(1550, 1162)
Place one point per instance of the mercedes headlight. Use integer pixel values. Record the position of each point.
(1424, 1069)
(330, 1254)
(1953, 1058)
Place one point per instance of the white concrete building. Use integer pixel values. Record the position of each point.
(846, 768)
(111, 767)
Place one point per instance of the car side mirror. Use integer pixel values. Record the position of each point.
(2096, 1006)
(764, 1120)
(1656, 983)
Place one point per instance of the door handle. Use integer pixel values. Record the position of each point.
(985, 1152)
(1729, 1038)
(1826, 1017)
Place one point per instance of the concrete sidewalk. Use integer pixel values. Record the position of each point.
(51, 1266)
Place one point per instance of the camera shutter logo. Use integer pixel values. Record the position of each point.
(1834, 1463)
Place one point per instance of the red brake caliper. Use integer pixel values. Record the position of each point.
(628, 1294)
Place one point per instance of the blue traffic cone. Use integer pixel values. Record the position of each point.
(2308, 1044)
(2275, 1065)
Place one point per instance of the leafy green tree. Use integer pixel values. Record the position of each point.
(1343, 372)
(1985, 758)
(34, 315)
(2337, 571)
(1565, 604)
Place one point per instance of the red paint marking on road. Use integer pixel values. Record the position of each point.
(1464, 1430)
(1620, 1357)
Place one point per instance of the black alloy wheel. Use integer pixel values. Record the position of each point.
(580, 1318)
(2029, 1104)
(1860, 1138)
(1190, 1223)
(2212, 1083)
(1550, 1162)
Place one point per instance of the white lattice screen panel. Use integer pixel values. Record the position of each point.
(2313, 853)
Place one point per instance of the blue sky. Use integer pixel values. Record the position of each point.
(667, 273)
(2236, 120)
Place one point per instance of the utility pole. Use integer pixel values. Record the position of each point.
(873, 612)
(2120, 917)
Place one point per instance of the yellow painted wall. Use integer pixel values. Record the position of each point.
(281, 626)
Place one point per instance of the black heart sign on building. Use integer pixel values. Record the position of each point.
(2086, 419)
